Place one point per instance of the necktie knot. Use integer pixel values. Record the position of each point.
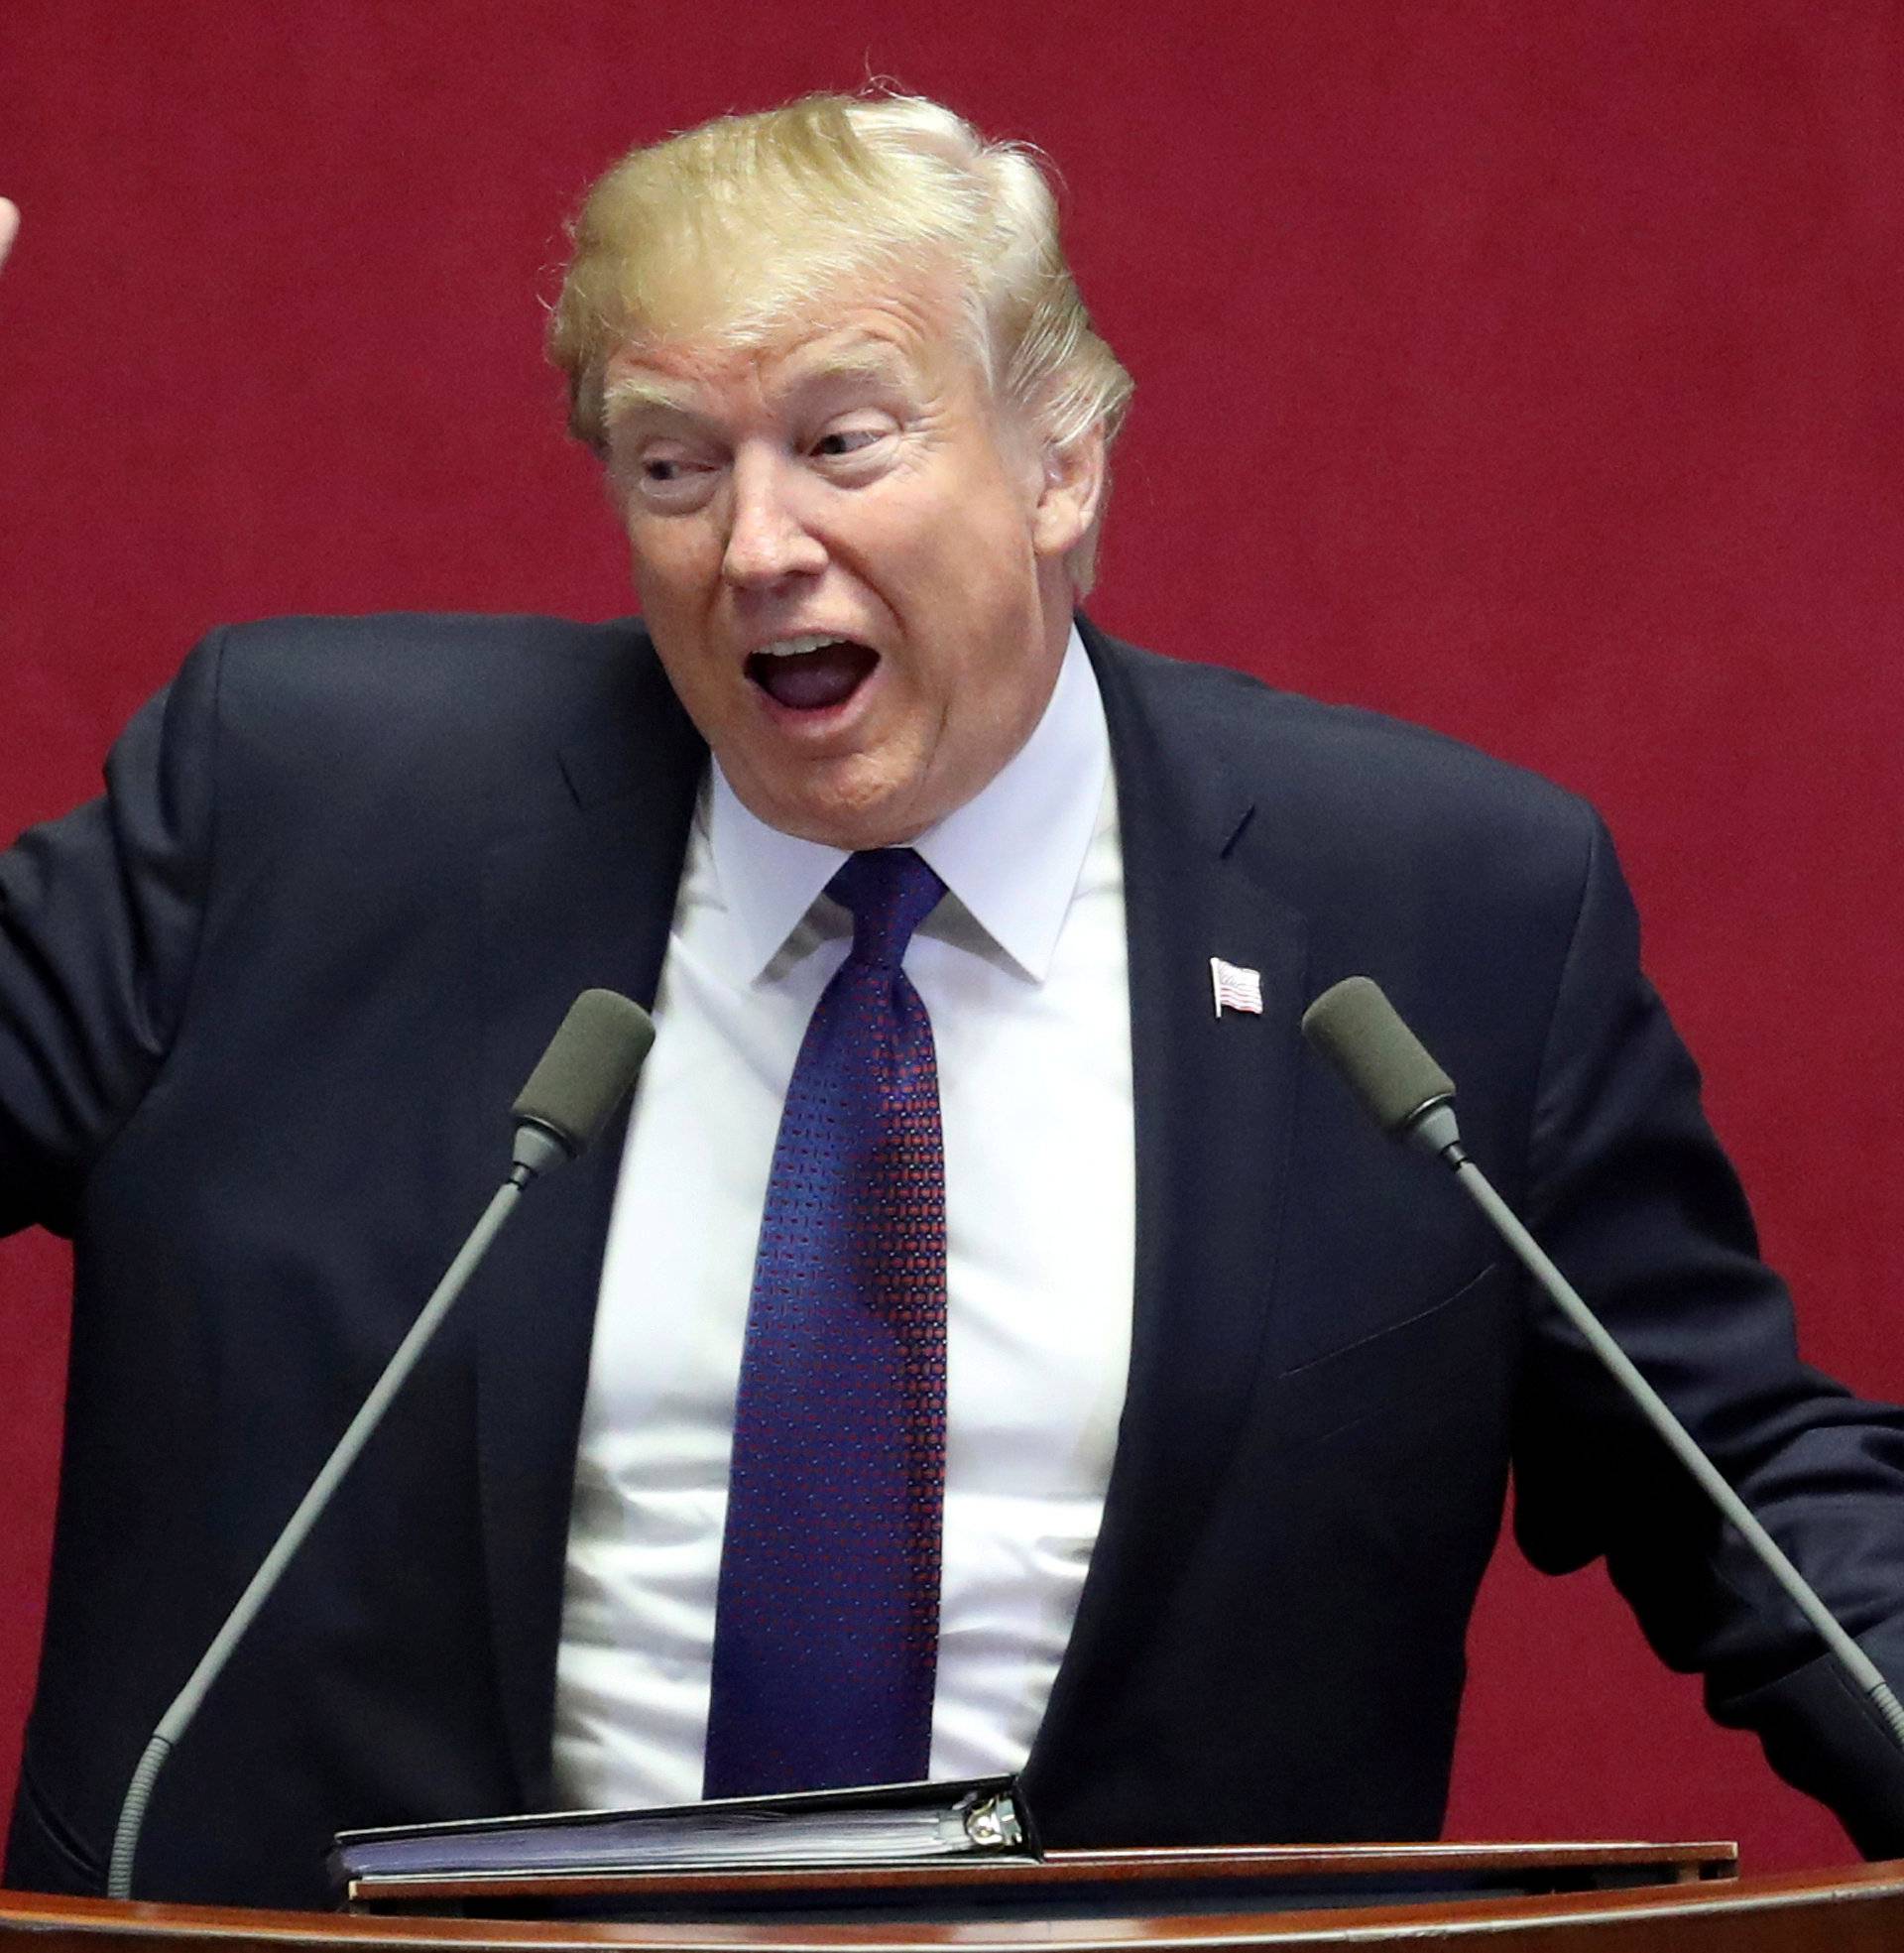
(889, 892)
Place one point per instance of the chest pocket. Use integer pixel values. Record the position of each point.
(1408, 1371)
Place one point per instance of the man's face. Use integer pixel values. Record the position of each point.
(850, 560)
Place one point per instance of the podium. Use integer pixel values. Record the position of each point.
(1855, 1909)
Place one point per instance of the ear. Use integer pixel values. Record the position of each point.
(1069, 493)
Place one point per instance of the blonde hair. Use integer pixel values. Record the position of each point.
(733, 230)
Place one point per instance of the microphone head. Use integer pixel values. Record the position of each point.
(590, 1066)
(1355, 1027)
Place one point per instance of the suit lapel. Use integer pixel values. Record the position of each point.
(1212, 1103)
(580, 895)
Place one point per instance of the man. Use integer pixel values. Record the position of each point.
(1231, 1389)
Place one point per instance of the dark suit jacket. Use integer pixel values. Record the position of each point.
(263, 1010)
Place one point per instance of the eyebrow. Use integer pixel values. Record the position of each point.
(637, 392)
(875, 360)
(633, 393)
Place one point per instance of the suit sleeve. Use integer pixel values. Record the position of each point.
(1631, 1196)
(99, 926)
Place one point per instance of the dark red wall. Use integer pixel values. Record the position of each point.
(1527, 368)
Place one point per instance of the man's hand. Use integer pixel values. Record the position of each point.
(9, 225)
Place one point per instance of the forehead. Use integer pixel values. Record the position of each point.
(900, 336)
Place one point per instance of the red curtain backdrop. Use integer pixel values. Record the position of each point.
(1527, 368)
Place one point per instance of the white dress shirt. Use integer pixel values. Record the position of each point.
(1023, 970)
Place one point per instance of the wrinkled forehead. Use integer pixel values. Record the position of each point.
(904, 334)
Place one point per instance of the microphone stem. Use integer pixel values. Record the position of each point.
(172, 1725)
(1567, 1298)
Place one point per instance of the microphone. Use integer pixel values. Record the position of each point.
(1360, 1033)
(588, 1070)
(1388, 1067)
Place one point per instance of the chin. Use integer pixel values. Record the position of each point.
(865, 828)
(849, 813)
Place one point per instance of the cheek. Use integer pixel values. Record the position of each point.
(671, 562)
(954, 561)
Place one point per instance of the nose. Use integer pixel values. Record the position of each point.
(767, 541)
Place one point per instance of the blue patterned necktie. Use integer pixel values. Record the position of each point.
(827, 1628)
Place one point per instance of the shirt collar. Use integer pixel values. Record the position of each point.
(1051, 789)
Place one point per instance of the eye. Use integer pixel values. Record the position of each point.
(662, 467)
(841, 441)
(671, 476)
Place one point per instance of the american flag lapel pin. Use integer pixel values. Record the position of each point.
(1235, 989)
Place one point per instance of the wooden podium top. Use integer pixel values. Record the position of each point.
(1857, 1910)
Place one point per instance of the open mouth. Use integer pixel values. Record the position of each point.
(812, 674)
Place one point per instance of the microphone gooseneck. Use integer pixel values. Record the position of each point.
(1360, 1033)
(589, 1067)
